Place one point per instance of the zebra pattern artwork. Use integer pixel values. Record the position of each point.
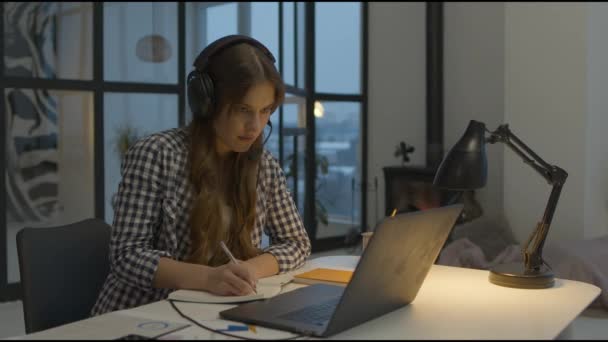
(32, 128)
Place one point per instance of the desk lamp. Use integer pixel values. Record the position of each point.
(465, 168)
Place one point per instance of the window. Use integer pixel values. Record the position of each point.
(140, 42)
(265, 26)
(50, 40)
(49, 162)
(289, 40)
(338, 41)
(338, 147)
(338, 47)
(128, 117)
(220, 20)
(338, 112)
(78, 76)
(46, 124)
(294, 146)
(61, 116)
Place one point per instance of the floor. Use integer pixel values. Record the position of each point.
(11, 319)
(592, 324)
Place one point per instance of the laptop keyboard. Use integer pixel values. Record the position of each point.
(316, 314)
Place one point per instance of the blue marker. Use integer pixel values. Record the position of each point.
(232, 327)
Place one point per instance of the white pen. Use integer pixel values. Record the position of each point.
(232, 258)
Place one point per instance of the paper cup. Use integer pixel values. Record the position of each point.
(366, 236)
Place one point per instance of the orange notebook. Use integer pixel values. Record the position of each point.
(324, 276)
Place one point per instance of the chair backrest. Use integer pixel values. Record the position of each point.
(62, 271)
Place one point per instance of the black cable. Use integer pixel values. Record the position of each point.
(269, 133)
(171, 301)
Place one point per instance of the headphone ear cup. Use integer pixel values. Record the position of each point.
(207, 96)
(200, 94)
(194, 93)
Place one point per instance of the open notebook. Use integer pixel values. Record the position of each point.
(266, 288)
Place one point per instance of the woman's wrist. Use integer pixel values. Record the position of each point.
(263, 265)
(198, 278)
(203, 275)
(181, 275)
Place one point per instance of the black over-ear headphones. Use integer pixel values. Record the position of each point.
(201, 97)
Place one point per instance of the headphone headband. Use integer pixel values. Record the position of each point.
(201, 93)
(201, 62)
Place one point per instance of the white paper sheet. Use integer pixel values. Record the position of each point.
(109, 326)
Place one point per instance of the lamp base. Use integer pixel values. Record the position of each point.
(516, 275)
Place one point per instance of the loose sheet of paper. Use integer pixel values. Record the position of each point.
(109, 326)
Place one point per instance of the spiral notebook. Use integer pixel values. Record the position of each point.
(267, 287)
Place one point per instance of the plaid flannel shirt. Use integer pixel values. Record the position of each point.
(151, 219)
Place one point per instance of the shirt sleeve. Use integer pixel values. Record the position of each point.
(138, 214)
(289, 242)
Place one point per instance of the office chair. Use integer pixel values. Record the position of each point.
(62, 271)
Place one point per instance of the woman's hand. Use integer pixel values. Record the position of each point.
(231, 280)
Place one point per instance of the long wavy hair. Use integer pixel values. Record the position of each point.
(234, 71)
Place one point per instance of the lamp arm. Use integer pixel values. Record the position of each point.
(533, 248)
(504, 135)
(556, 176)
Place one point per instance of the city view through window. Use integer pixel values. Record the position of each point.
(337, 66)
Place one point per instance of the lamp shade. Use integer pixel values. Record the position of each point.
(465, 167)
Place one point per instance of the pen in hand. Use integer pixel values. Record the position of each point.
(232, 258)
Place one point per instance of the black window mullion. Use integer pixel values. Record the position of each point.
(281, 63)
(243, 18)
(80, 85)
(434, 83)
(310, 174)
(132, 87)
(98, 110)
(2, 44)
(3, 128)
(45, 83)
(181, 62)
(296, 91)
(339, 97)
(364, 58)
(295, 44)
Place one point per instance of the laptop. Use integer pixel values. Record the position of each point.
(388, 276)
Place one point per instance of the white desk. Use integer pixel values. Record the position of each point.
(453, 303)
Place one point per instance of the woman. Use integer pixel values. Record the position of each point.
(185, 190)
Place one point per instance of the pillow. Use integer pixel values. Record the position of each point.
(582, 260)
(464, 253)
(492, 235)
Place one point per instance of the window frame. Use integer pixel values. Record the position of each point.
(98, 87)
(311, 95)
